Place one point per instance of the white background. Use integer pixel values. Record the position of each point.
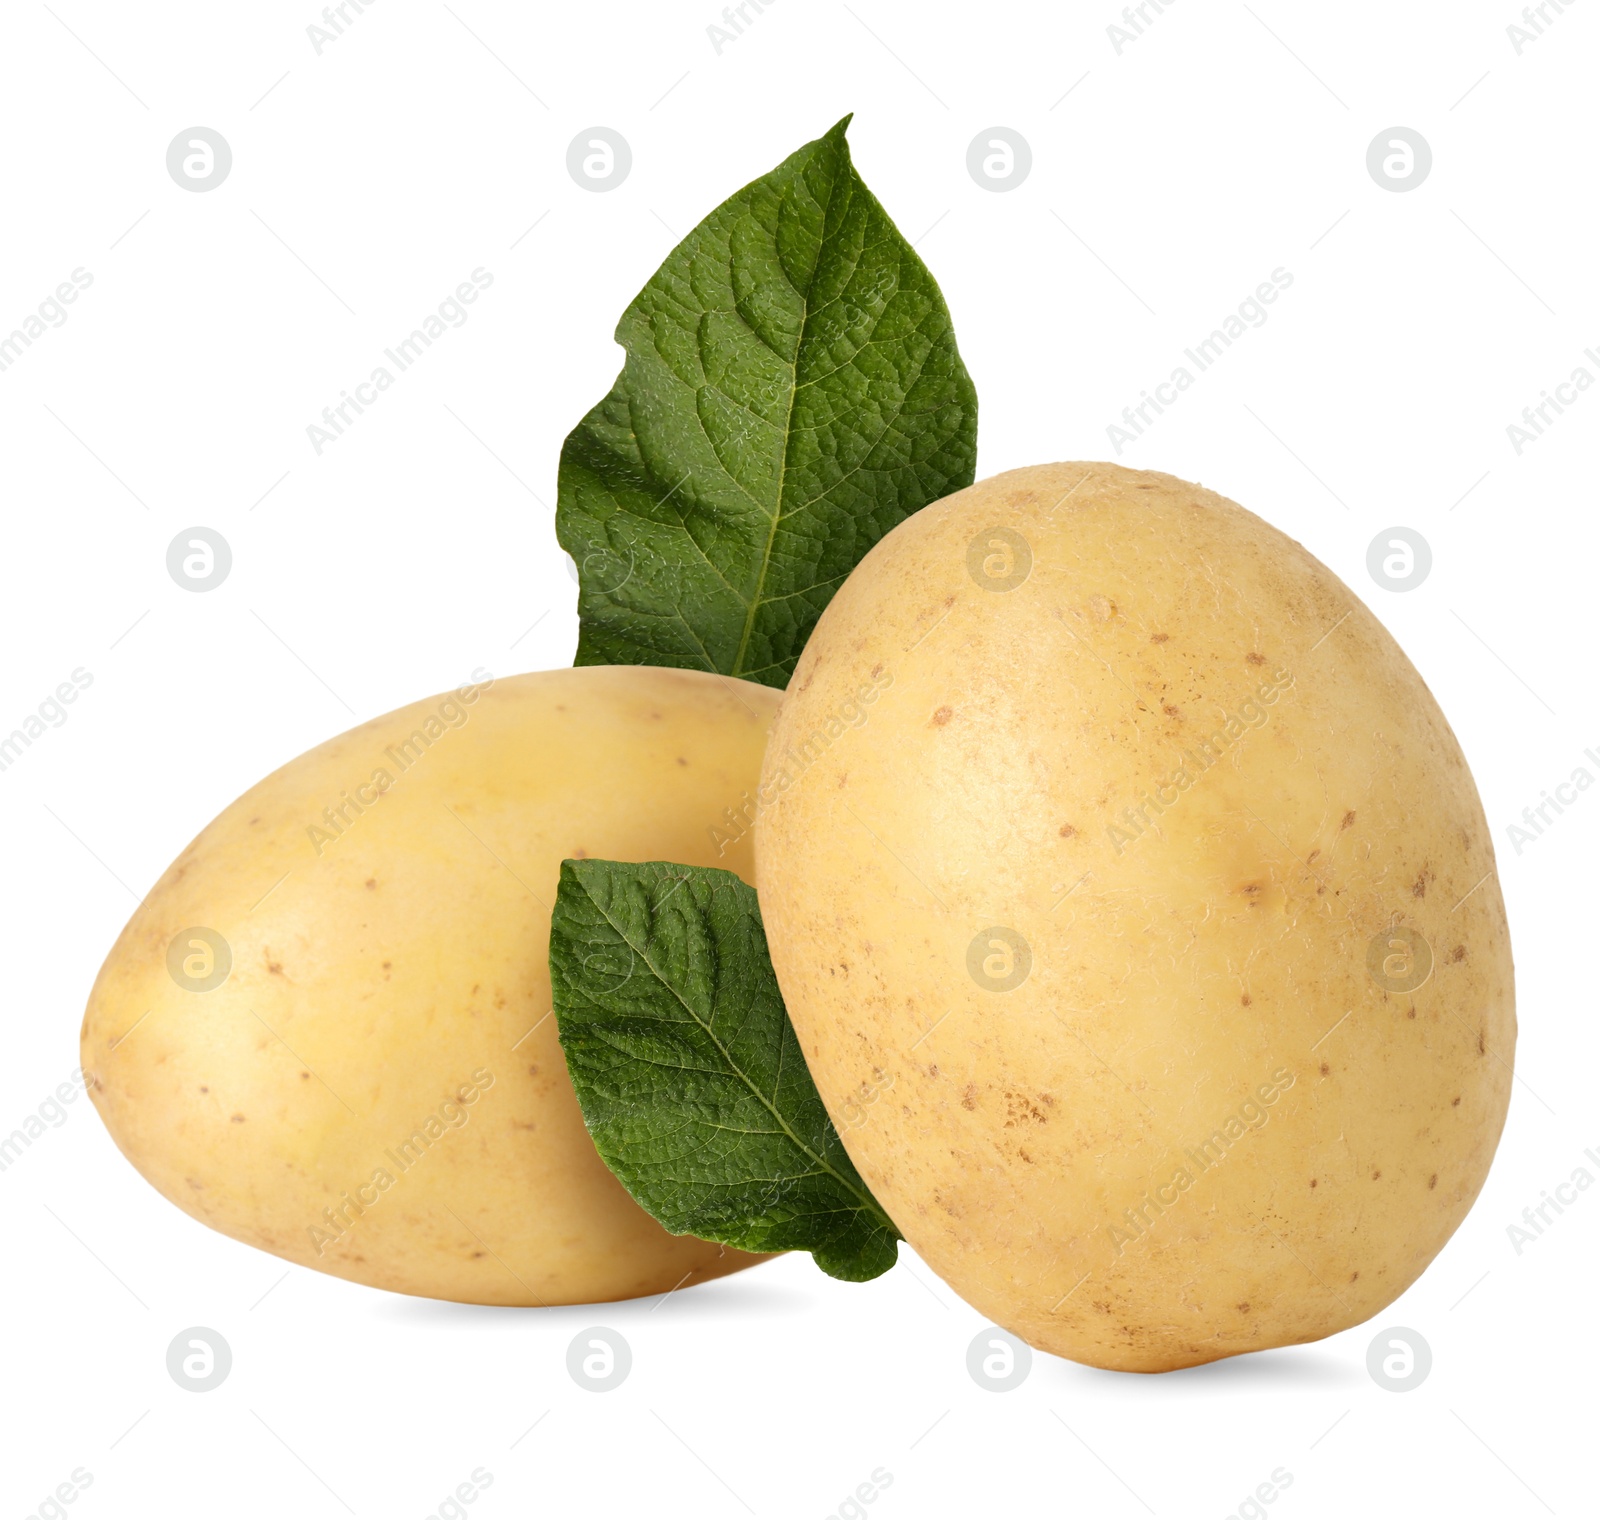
(1167, 182)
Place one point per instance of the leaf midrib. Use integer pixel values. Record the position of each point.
(777, 515)
(868, 1204)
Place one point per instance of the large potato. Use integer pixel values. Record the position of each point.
(374, 1086)
(1137, 914)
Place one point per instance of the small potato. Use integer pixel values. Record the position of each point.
(326, 1031)
(1153, 900)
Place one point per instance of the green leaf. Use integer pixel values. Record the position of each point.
(791, 391)
(689, 1073)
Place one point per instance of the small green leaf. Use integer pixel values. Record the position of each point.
(689, 1073)
(791, 392)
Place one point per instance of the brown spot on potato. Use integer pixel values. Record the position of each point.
(274, 968)
(1242, 1308)
(1419, 888)
(1244, 999)
(1021, 1109)
(1256, 659)
(305, 1076)
(204, 1089)
(1159, 638)
(1459, 953)
(1313, 1182)
(236, 1119)
(1067, 831)
(1354, 1276)
(1433, 1182)
(941, 716)
(844, 776)
(682, 761)
(1324, 1068)
(372, 884)
(1170, 710)
(969, 1099)
(1455, 1103)
(1348, 819)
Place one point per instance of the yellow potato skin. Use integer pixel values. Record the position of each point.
(383, 974)
(978, 748)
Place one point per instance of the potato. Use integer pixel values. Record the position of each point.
(1137, 915)
(373, 1086)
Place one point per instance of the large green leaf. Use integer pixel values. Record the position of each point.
(689, 1073)
(791, 391)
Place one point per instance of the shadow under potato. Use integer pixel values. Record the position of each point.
(726, 1297)
(1285, 1367)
